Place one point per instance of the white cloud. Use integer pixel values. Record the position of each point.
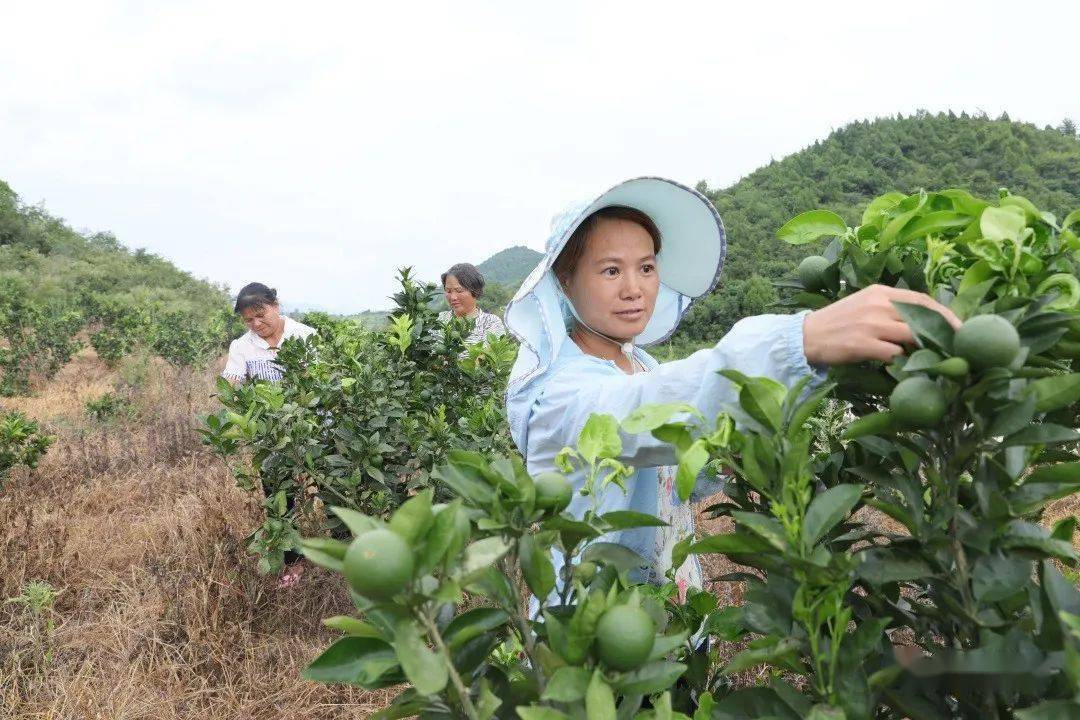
(318, 148)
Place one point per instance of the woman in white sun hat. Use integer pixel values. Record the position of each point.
(619, 273)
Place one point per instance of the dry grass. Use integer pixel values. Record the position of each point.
(161, 614)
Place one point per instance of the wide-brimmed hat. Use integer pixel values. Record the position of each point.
(691, 257)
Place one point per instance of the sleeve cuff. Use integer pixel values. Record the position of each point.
(793, 352)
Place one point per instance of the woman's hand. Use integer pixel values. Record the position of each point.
(864, 326)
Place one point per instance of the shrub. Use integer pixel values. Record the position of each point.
(362, 416)
(21, 443)
(892, 571)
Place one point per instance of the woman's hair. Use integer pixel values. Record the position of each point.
(571, 253)
(254, 296)
(469, 277)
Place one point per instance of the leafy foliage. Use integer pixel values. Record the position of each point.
(362, 416)
(494, 660)
(21, 443)
(965, 571)
(858, 162)
(893, 570)
(55, 281)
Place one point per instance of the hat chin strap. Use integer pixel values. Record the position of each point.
(626, 348)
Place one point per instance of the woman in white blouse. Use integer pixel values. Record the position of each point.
(252, 355)
(463, 285)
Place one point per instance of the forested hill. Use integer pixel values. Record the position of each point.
(54, 263)
(509, 266)
(859, 162)
(55, 282)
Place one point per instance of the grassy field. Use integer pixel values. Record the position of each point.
(160, 613)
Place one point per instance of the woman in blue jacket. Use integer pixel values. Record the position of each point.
(620, 272)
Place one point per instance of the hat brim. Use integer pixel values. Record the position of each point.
(692, 253)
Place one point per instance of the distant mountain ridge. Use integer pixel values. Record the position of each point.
(509, 266)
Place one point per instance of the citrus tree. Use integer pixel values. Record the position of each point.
(361, 416)
(902, 567)
(594, 644)
(21, 443)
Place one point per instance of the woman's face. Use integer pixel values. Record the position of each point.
(615, 283)
(461, 301)
(263, 320)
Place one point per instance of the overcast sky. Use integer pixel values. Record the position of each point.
(318, 146)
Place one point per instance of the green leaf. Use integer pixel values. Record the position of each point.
(767, 528)
(412, 520)
(649, 417)
(929, 326)
(599, 438)
(618, 556)
(1012, 418)
(933, 223)
(826, 712)
(1044, 434)
(921, 360)
(727, 624)
(445, 536)
(483, 553)
(540, 713)
(730, 544)
(351, 626)
(425, 670)
(356, 661)
(1022, 534)
(809, 226)
(1051, 710)
(536, 567)
(567, 685)
(690, 464)
(879, 205)
(649, 679)
(625, 519)
(873, 424)
(599, 699)
(473, 623)
(828, 509)
(324, 552)
(761, 398)
(1055, 392)
(357, 522)
(879, 567)
(771, 651)
(997, 577)
(1002, 223)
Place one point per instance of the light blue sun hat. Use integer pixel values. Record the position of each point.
(691, 257)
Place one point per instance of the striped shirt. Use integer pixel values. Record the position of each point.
(252, 358)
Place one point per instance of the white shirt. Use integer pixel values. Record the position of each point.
(251, 357)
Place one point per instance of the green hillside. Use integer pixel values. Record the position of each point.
(56, 283)
(859, 162)
(509, 266)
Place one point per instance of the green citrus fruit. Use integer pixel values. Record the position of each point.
(917, 402)
(812, 272)
(624, 637)
(378, 564)
(553, 491)
(987, 341)
(584, 571)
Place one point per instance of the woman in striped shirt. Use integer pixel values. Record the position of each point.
(463, 285)
(252, 355)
